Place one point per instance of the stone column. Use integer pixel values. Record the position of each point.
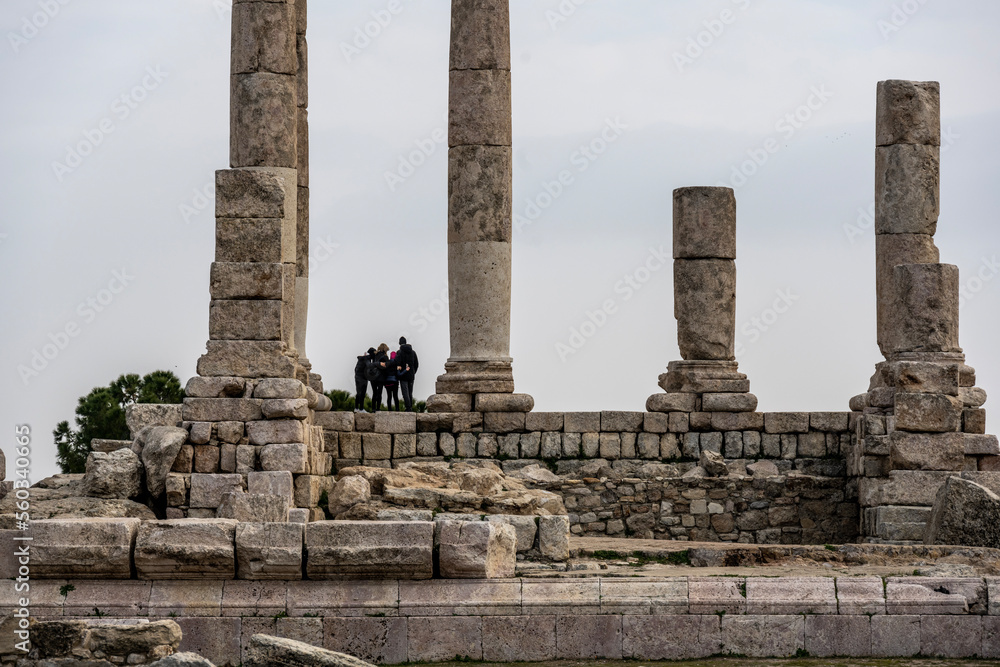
(921, 419)
(302, 218)
(705, 308)
(252, 313)
(479, 213)
(907, 187)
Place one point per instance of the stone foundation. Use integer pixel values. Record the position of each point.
(392, 622)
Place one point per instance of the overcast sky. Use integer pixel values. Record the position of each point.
(116, 118)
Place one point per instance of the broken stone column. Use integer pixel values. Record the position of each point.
(302, 216)
(907, 187)
(922, 415)
(253, 401)
(707, 378)
(479, 213)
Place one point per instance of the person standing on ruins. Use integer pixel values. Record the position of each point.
(408, 363)
(378, 380)
(392, 384)
(361, 378)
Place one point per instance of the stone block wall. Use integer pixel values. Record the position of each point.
(805, 498)
(381, 439)
(775, 510)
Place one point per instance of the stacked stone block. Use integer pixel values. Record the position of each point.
(516, 439)
(922, 416)
(233, 442)
(478, 375)
(704, 239)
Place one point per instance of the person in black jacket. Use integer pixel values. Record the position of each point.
(392, 384)
(382, 359)
(361, 379)
(406, 360)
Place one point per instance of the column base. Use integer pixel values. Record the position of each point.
(478, 386)
(703, 386)
(477, 377)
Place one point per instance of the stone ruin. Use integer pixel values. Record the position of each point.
(252, 501)
(240, 480)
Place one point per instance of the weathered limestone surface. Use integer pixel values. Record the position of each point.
(360, 550)
(927, 451)
(70, 548)
(476, 549)
(140, 415)
(925, 312)
(267, 651)
(964, 513)
(908, 112)
(907, 189)
(116, 474)
(253, 507)
(186, 549)
(705, 308)
(704, 223)
(269, 550)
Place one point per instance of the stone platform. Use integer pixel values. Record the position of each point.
(670, 618)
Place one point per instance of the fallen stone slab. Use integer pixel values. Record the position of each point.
(267, 651)
(116, 474)
(121, 639)
(964, 513)
(476, 550)
(369, 550)
(936, 596)
(186, 549)
(159, 451)
(83, 548)
(185, 659)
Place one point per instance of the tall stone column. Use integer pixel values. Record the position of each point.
(707, 378)
(907, 187)
(252, 313)
(478, 374)
(302, 217)
(921, 419)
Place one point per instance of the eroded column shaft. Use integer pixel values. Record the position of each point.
(479, 181)
(705, 273)
(907, 188)
(302, 152)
